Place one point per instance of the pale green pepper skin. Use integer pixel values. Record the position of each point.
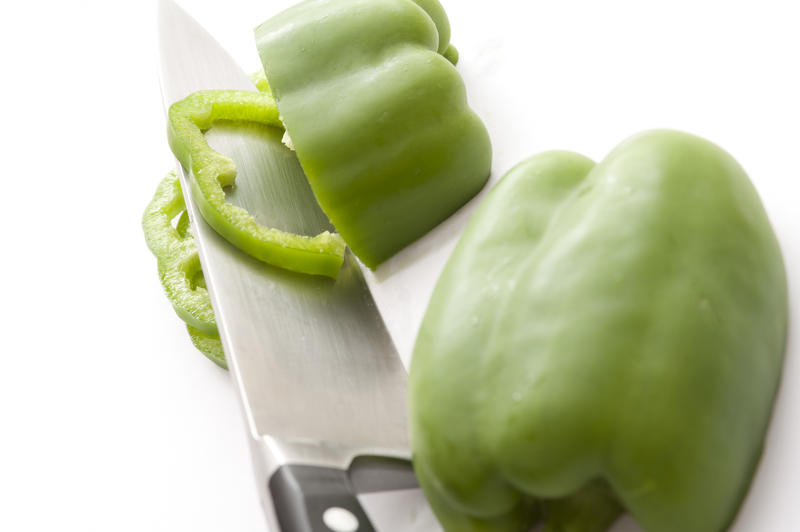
(620, 324)
(378, 116)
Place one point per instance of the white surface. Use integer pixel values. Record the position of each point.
(111, 421)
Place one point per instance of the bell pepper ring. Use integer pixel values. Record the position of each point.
(211, 171)
(210, 346)
(176, 253)
(179, 266)
(604, 337)
(185, 285)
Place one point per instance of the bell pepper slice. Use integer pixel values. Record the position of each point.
(377, 115)
(604, 336)
(259, 79)
(211, 172)
(176, 253)
(210, 346)
(179, 266)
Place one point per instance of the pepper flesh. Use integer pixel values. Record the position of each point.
(176, 252)
(211, 172)
(210, 346)
(377, 115)
(179, 266)
(603, 337)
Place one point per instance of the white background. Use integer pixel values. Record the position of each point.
(111, 421)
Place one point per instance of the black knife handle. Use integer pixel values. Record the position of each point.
(316, 499)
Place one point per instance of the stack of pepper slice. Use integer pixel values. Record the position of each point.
(179, 266)
(173, 246)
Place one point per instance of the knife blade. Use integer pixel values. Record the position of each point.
(320, 381)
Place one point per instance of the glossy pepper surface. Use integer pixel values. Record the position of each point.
(605, 337)
(377, 114)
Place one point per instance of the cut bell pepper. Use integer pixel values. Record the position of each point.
(377, 115)
(179, 267)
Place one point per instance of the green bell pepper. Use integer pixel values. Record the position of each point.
(179, 266)
(378, 116)
(178, 261)
(176, 252)
(211, 172)
(605, 336)
(210, 346)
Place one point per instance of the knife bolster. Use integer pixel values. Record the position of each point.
(316, 499)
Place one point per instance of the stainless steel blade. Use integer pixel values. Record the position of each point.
(313, 362)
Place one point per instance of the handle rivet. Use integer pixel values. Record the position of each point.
(340, 520)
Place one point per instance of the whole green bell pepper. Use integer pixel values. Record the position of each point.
(378, 116)
(605, 336)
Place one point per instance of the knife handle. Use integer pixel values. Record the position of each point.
(316, 499)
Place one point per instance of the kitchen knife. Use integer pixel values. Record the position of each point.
(321, 384)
